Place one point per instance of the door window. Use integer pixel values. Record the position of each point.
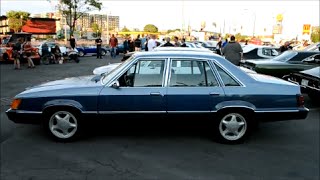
(144, 73)
(191, 73)
(226, 78)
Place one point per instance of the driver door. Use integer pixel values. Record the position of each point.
(141, 91)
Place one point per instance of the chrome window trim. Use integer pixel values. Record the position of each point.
(194, 59)
(160, 58)
(241, 84)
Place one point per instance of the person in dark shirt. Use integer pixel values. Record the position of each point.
(168, 44)
(183, 42)
(72, 42)
(99, 43)
(137, 43)
(285, 47)
(131, 45)
(125, 45)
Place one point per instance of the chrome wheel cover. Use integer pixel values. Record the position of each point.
(63, 124)
(233, 126)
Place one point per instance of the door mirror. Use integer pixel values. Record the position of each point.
(115, 85)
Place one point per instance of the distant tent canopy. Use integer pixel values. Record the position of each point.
(40, 26)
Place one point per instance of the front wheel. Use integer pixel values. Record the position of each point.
(81, 53)
(63, 125)
(232, 128)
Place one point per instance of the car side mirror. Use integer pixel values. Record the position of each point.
(115, 85)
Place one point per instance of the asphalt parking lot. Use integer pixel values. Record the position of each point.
(280, 150)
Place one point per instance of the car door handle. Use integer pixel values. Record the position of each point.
(214, 94)
(155, 94)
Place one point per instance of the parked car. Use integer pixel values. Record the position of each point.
(63, 49)
(206, 45)
(85, 50)
(175, 83)
(284, 64)
(255, 52)
(309, 81)
(6, 49)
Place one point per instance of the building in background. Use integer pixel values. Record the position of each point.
(4, 25)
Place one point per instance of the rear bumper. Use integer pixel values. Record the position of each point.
(24, 117)
(265, 116)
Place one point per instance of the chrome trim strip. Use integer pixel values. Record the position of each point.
(90, 112)
(282, 111)
(130, 112)
(28, 112)
(237, 107)
(188, 112)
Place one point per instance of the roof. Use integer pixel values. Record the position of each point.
(182, 49)
(178, 53)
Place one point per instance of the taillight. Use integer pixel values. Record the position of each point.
(15, 103)
(300, 100)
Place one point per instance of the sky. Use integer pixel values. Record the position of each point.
(228, 15)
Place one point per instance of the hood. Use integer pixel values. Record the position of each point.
(105, 69)
(312, 72)
(68, 82)
(269, 79)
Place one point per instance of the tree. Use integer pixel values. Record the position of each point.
(17, 19)
(125, 29)
(72, 10)
(136, 29)
(150, 28)
(315, 35)
(96, 29)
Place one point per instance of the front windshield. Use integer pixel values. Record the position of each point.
(285, 56)
(106, 77)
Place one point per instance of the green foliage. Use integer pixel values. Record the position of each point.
(125, 29)
(17, 19)
(315, 35)
(150, 28)
(74, 9)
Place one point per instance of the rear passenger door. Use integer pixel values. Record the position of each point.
(192, 87)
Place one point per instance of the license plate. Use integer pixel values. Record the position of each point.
(304, 82)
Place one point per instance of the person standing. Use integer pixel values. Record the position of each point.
(152, 43)
(285, 47)
(99, 43)
(168, 43)
(125, 45)
(146, 43)
(27, 48)
(176, 42)
(72, 42)
(17, 54)
(113, 43)
(233, 51)
(137, 43)
(183, 42)
(218, 47)
(224, 43)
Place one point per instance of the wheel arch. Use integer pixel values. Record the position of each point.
(61, 103)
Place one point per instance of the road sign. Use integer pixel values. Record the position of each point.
(306, 29)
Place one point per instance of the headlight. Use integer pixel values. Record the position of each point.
(15, 103)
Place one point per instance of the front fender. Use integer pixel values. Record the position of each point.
(63, 102)
(235, 104)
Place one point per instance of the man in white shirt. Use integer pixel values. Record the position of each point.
(152, 43)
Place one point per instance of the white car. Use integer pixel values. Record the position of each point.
(63, 49)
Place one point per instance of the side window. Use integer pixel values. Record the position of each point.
(191, 73)
(145, 73)
(226, 78)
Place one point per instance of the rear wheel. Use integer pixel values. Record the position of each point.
(63, 125)
(103, 52)
(232, 127)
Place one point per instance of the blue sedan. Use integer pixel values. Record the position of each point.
(168, 84)
(82, 51)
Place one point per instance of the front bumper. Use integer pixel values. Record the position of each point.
(24, 117)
